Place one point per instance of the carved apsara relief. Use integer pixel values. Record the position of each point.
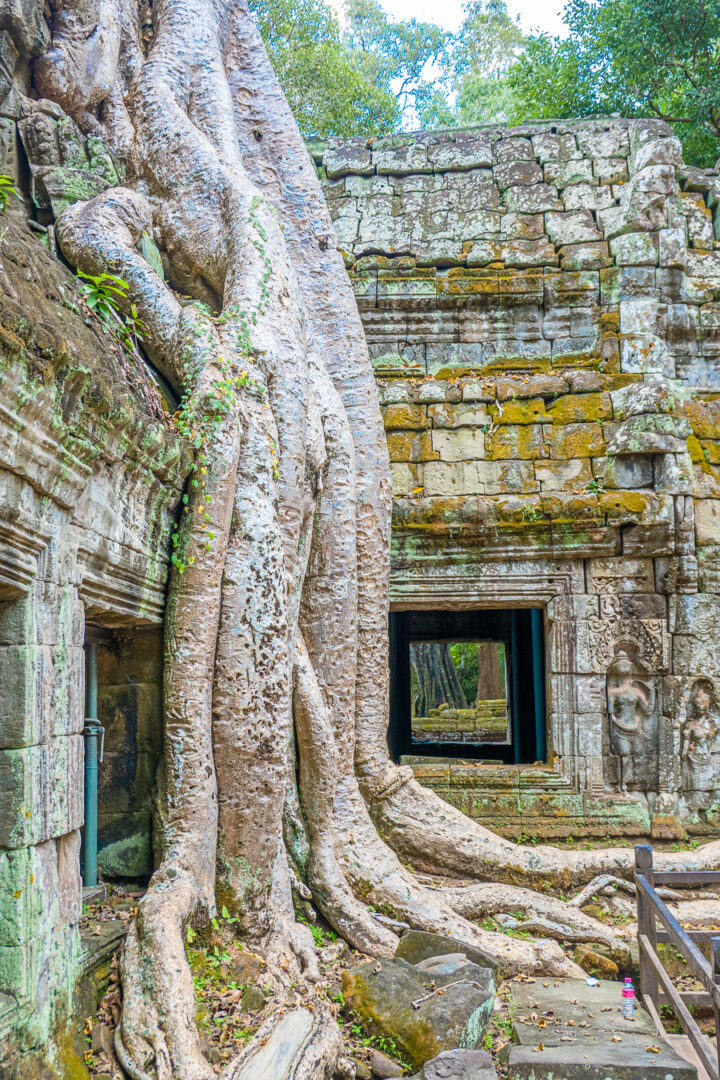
(700, 739)
(633, 717)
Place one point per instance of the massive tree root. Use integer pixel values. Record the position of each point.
(276, 627)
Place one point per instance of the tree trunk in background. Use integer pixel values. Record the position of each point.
(490, 684)
(437, 677)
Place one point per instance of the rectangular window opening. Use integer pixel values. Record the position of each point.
(468, 684)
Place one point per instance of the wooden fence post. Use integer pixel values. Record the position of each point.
(715, 960)
(647, 925)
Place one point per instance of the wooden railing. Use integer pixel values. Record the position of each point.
(655, 984)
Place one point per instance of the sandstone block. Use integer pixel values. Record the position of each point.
(707, 521)
(522, 226)
(564, 173)
(405, 417)
(635, 249)
(513, 149)
(672, 247)
(574, 227)
(659, 152)
(456, 416)
(610, 170)
(603, 144)
(563, 475)
(550, 147)
(522, 411)
(523, 442)
(580, 408)
(465, 151)
(350, 157)
(400, 160)
(517, 173)
(523, 253)
(587, 197)
(404, 478)
(575, 441)
(585, 256)
(535, 199)
(466, 444)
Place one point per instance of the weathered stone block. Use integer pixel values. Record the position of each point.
(572, 227)
(522, 226)
(535, 199)
(610, 170)
(524, 442)
(522, 253)
(635, 249)
(619, 575)
(447, 415)
(603, 144)
(575, 440)
(585, 256)
(587, 197)
(550, 147)
(405, 478)
(525, 410)
(563, 475)
(659, 152)
(707, 521)
(513, 149)
(564, 289)
(580, 408)
(517, 172)
(405, 417)
(564, 173)
(466, 444)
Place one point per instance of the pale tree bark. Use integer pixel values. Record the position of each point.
(276, 645)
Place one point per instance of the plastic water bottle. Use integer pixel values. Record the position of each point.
(628, 1000)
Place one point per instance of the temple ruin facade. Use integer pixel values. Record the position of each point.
(543, 309)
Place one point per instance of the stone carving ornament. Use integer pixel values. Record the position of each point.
(700, 745)
(632, 702)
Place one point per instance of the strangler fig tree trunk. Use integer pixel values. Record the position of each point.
(276, 655)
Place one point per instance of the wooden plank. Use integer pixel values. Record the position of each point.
(646, 921)
(699, 966)
(675, 878)
(690, 997)
(695, 935)
(708, 1059)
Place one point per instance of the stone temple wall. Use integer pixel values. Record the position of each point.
(89, 484)
(543, 309)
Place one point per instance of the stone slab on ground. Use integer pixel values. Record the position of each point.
(599, 1060)
(458, 1065)
(567, 1030)
(546, 1009)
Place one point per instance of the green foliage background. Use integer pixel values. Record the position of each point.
(376, 75)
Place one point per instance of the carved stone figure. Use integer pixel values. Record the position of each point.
(700, 746)
(632, 714)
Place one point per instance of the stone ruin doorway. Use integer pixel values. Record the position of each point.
(125, 662)
(468, 684)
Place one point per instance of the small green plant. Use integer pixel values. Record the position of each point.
(7, 189)
(531, 513)
(594, 487)
(102, 295)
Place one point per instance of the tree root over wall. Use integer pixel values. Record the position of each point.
(276, 656)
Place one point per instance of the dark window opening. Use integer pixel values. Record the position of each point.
(468, 684)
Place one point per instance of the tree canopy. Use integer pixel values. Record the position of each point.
(633, 57)
(375, 74)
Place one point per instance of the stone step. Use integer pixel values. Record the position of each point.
(564, 1029)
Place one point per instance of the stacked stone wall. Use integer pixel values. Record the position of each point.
(542, 307)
